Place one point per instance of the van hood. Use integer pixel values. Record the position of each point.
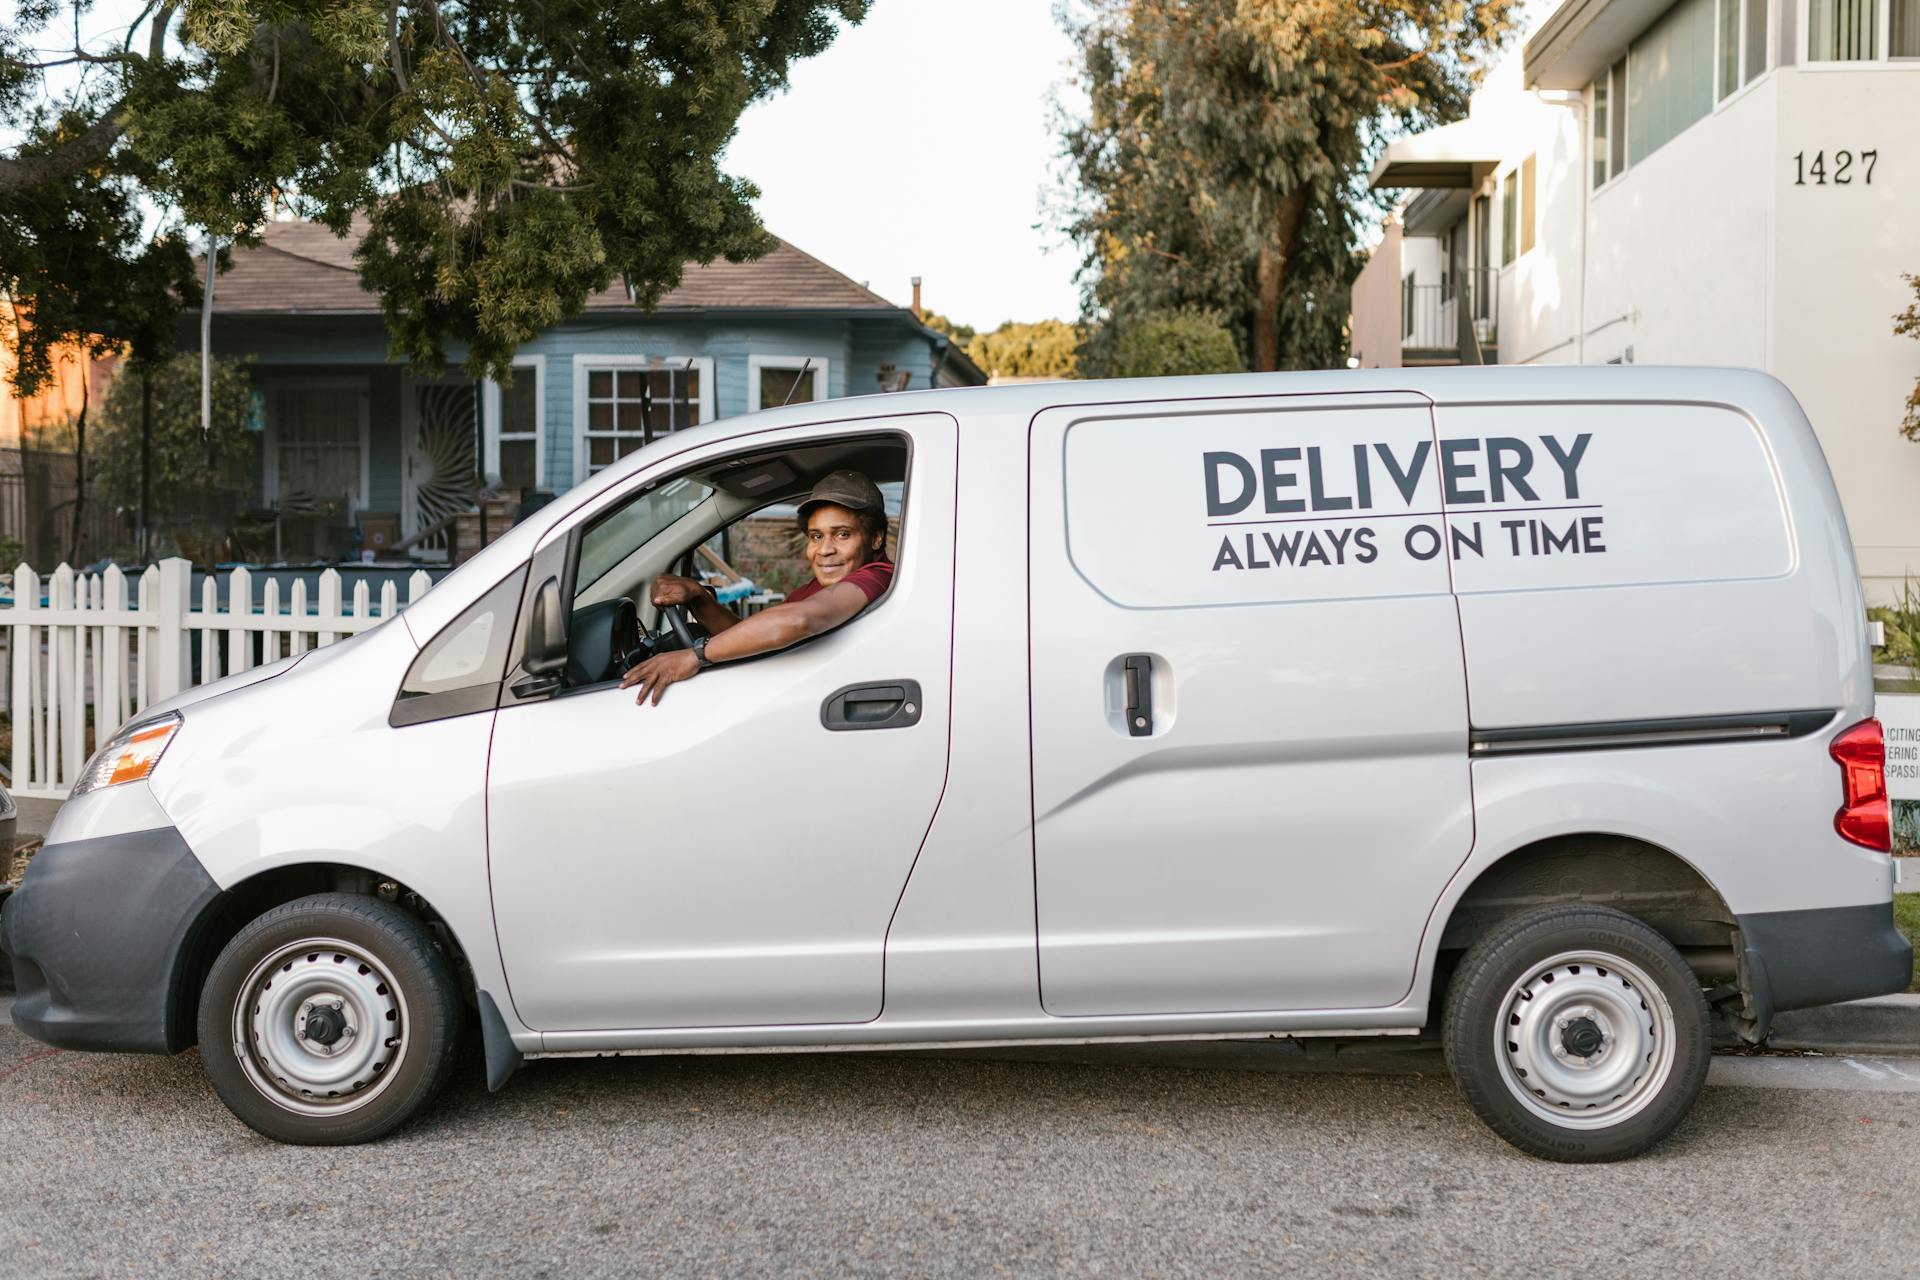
(313, 658)
(227, 684)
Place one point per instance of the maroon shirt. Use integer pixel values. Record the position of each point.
(873, 577)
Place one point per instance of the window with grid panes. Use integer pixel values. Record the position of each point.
(627, 407)
(786, 386)
(520, 432)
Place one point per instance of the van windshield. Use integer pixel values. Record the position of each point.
(638, 522)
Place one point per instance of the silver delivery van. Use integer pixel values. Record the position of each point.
(1529, 707)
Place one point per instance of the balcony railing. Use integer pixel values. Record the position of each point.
(1434, 328)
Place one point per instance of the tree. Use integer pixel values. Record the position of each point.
(1908, 323)
(194, 476)
(1043, 349)
(961, 334)
(1225, 150)
(1165, 344)
(508, 159)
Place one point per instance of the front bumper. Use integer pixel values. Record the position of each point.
(1800, 959)
(100, 933)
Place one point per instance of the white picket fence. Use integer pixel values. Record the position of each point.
(89, 651)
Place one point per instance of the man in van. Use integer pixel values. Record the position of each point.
(844, 522)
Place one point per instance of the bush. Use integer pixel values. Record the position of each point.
(200, 481)
(1902, 623)
(1162, 344)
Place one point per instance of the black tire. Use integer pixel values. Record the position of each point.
(385, 972)
(1505, 986)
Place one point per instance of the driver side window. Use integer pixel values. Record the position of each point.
(731, 525)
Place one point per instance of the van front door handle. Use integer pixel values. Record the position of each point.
(888, 704)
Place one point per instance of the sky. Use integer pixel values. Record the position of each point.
(921, 143)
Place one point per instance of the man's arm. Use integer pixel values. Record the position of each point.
(774, 627)
(671, 588)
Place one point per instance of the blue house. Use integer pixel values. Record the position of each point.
(347, 431)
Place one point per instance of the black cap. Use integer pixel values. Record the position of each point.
(849, 489)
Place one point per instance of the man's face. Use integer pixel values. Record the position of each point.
(836, 545)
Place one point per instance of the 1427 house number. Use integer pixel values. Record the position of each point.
(1846, 166)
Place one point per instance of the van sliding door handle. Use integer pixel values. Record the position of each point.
(1138, 673)
(891, 704)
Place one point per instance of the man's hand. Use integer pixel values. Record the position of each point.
(671, 588)
(656, 673)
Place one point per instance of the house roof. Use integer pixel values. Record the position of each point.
(1582, 38)
(302, 268)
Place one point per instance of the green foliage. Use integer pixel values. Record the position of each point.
(1225, 152)
(1908, 323)
(1901, 621)
(504, 160)
(1042, 349)
(1164, 344)
(204, 476)
(961, 334)
(1906, 906)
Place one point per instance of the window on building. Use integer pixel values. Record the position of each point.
(1742, 48)
(515, 422)
(1903, 38)
(1756, 39)
(1610, 124)
(1526, 204)
(1617, 131)
(1670, 77)
(1477, 279)
(630, 403)
(317, 446)
(1729, 50)
(1509, 218)
(1600, 133)
(1843, 30)
(773, 381)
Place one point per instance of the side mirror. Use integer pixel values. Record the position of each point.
(546, 652)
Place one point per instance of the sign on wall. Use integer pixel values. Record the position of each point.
(1900, 718)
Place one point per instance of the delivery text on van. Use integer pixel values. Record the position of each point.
(1335, 487)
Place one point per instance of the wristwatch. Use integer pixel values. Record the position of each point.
(700, 652)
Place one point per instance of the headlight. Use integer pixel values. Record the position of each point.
(129, 756)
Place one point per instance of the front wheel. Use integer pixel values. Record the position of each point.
(1577, 1033)
(330, 1020)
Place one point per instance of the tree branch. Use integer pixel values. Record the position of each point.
(92, 144)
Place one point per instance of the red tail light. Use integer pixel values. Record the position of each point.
(1862, 755)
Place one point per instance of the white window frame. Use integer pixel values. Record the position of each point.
(1746, 79)
(1883, 41)
(1509, 247)
(1616, 121)
(490, 422)
(270, 473)
(629, 360)
(820, 366)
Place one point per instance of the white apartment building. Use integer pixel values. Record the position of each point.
(1732, 182)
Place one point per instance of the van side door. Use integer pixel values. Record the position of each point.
(1249, 718)
(731, 856)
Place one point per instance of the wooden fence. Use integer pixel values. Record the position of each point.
(89, 651)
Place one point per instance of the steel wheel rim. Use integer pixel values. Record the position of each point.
(297, 996)
(1554, 1011)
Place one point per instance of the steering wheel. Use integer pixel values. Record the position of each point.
(676, 616)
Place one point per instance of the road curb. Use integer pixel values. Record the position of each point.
(1884, 1024)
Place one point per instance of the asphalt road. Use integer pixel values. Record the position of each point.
(1232, 1160)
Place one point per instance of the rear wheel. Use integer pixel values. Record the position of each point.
(1577, 1033)
(329, 1020)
